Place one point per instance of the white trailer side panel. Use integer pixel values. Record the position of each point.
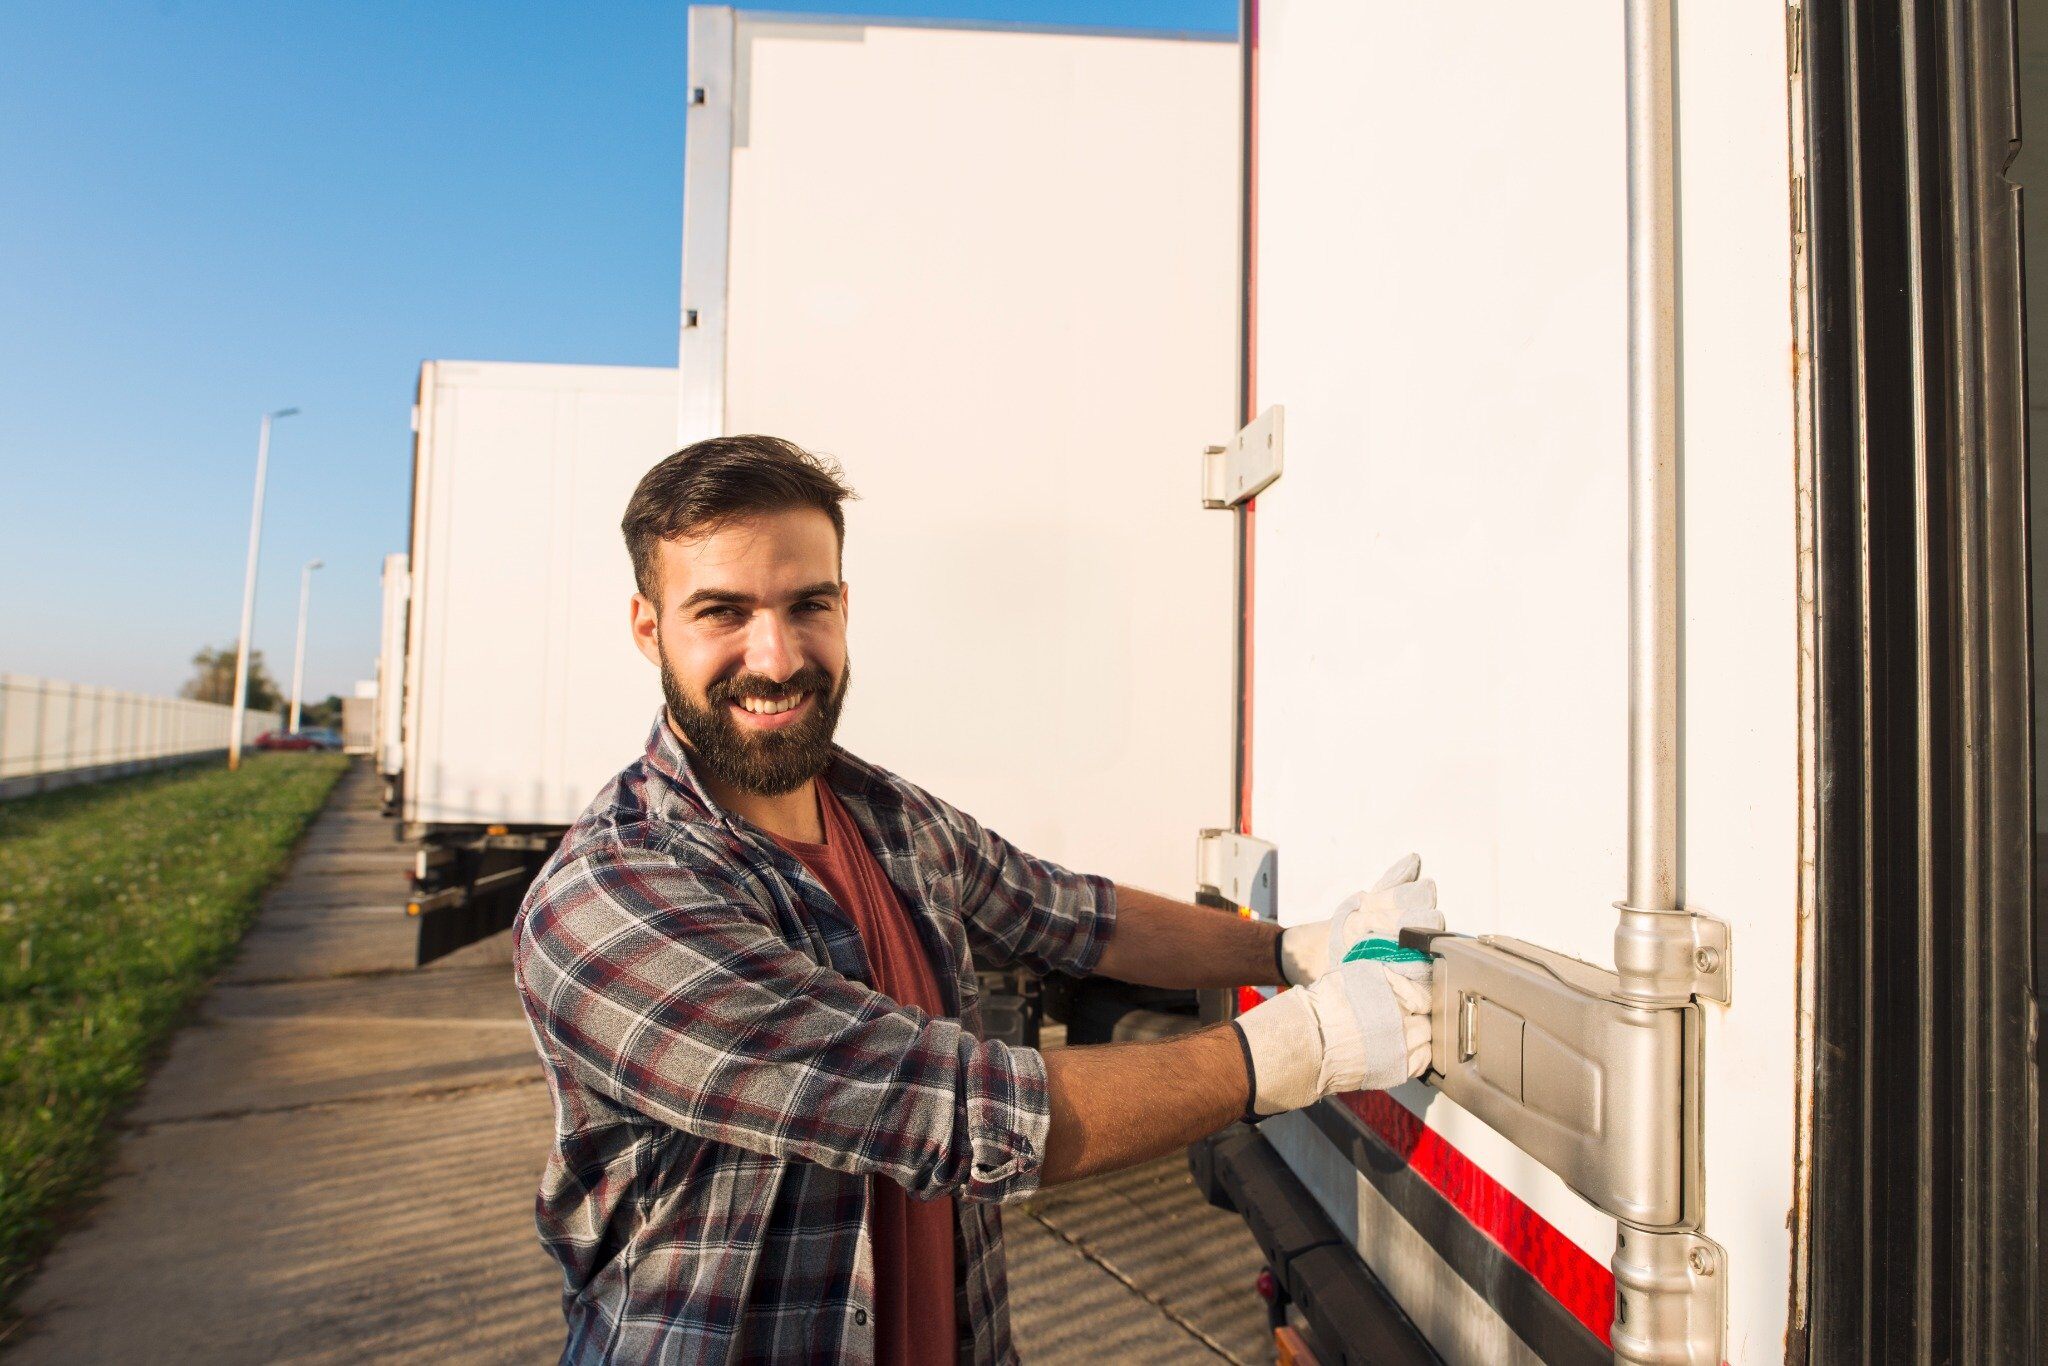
(992, 272)
(391, 668)
(1439, 600)
(524, 693)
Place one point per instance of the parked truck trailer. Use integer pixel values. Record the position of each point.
(390, 717)
(359, 720)
(523, 693)
(1631, 519)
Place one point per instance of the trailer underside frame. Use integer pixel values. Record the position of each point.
(469, 882)
(1350, 1315)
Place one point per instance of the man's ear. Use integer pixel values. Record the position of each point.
(844, 599)
(646, 628)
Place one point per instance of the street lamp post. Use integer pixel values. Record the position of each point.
(239, 700)
(299, 653)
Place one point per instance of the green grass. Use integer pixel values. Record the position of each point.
(118, 902)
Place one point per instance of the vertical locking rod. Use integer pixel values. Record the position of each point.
(1653, 948)
(1669, 1305)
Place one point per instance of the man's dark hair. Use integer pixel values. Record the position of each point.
(704, 486)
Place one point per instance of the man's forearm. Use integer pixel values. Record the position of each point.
(1160, 942)
(1116, 1105)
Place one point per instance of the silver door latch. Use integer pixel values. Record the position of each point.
(1604, 1090)
(1592, 1085)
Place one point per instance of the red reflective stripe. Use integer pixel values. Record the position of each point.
(1247, 997)
(1564, 1268)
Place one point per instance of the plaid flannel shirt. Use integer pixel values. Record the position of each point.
(725, 1083)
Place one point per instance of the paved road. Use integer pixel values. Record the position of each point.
(337, 1162)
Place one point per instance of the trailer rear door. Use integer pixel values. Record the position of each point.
(523, 692)
(1436, 595)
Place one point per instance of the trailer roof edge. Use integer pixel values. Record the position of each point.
(795, 18)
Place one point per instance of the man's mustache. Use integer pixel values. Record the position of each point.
(807, 679)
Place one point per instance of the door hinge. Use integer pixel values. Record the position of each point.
(1667, 956)
(1235, 472)
(1239, 870)
(1670, 1298)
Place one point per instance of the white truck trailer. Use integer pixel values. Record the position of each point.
(1644, 544)
(523, 693)
(991, 271)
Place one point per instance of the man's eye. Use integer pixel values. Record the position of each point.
(719, 613)
(814, 605)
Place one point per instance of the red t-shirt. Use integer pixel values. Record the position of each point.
(912, 1239)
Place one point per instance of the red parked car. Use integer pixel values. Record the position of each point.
(290, 739)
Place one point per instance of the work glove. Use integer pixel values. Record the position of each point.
(1401, 899)
(1359, 1027)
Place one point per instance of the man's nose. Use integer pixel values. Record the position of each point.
(771, 647)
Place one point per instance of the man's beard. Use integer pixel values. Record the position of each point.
(765, 763)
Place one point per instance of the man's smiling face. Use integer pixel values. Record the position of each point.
(750, 637)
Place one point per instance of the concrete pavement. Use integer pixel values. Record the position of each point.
(337, 1163)
(1133, 1267)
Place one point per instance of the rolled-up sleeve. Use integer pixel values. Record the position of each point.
(1024, 909)
(663, 986)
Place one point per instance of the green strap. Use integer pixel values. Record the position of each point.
(1383, 951)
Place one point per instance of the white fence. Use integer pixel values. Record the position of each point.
(54, 734)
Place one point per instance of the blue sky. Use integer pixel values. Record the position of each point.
(217, 209)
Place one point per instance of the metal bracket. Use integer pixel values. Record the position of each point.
(1601, 1089)
(1238, 869)
(1669, 956)
(1670, 1298)
(1234, 473)
(1712, 980)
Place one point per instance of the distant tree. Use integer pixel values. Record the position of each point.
(213, 680)
(321, 714)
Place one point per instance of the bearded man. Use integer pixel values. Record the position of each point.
(750, 971)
